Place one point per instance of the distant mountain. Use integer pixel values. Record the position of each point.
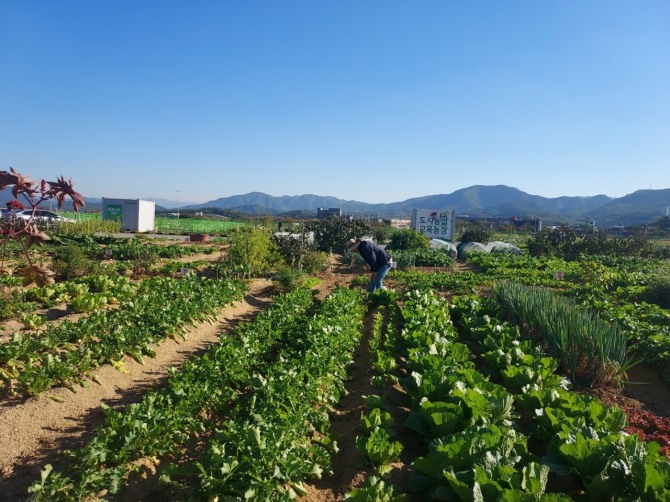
(640, 207)
(475, 201)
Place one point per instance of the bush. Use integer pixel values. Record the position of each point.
(476, 234)
(658, 292)
(252, 251)
(293, 250)
(330, 234)
(70, 262)
(287, 278)
(407, 238)
(315, 262)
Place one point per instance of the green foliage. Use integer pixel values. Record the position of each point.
(383, 232)
(552, 242)
(407, 238)
(33, 321)
(428, 257)
(263, 392)
(583, 342)
(476, 233)
(86, 226)
(330, 234)
(287, 278)
(315, 262)
(253, 249)
(293, 250)
(375, 490)
(378, 449)
(658, 291)
(566, 243)
(72, 261)
(159, 308)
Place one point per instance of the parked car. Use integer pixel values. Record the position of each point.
(42, 216)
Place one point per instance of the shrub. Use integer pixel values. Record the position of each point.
(476, 234)
(330, 234)
(70, 262)
(287, 278)
(252, 250)
(658, 291)
(315, 261)
(407, 238)
(293, 249)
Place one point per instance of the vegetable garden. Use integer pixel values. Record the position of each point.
(502, 377)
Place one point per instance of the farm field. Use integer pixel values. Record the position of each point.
(319, 393)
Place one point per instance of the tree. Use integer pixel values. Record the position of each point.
(331, 233)
(663, 223)
(27, 234)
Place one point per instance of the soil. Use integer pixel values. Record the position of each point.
(35, 432)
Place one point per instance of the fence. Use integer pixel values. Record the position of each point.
(173, 225)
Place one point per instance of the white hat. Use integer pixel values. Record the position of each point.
(352, 244)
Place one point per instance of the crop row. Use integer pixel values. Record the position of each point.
(497, 431)
(67, 352)
(256, 403)
(498, 422)
(611, 287)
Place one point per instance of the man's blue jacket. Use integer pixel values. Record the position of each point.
(373, 255)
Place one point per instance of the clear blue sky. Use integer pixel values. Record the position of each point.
(376, 101)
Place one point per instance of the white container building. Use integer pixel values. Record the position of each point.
(135, 215)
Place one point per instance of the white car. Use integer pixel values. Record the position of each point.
(42, 216)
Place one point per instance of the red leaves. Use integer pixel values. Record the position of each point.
(29, 234)
(23, 185)
(15, 205)
(60, 188)
(649, 427)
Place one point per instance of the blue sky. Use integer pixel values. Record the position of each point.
(376, 101)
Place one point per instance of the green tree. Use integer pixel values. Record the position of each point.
(330, 234)
(663, 223)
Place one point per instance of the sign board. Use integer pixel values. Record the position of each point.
(114, 212)
(434, 224)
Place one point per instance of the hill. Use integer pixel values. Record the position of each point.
(500, 201)
(643, 206)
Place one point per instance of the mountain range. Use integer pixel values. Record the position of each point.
(501, 201)
(498, 201)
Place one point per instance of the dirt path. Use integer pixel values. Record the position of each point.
(36, 431)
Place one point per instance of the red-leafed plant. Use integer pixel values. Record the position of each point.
(28, 234)
(15, 205)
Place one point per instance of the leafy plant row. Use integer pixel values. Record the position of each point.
(474, 450)
(577, 436)
(257, 401)
(584, 343)
(378, 428)
(613, 287)
(66, 353)
(499, 432)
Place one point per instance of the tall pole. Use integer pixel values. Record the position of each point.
(178, 227)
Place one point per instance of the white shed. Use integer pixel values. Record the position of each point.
(135, 215)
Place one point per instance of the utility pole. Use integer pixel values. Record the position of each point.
(178, 227)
